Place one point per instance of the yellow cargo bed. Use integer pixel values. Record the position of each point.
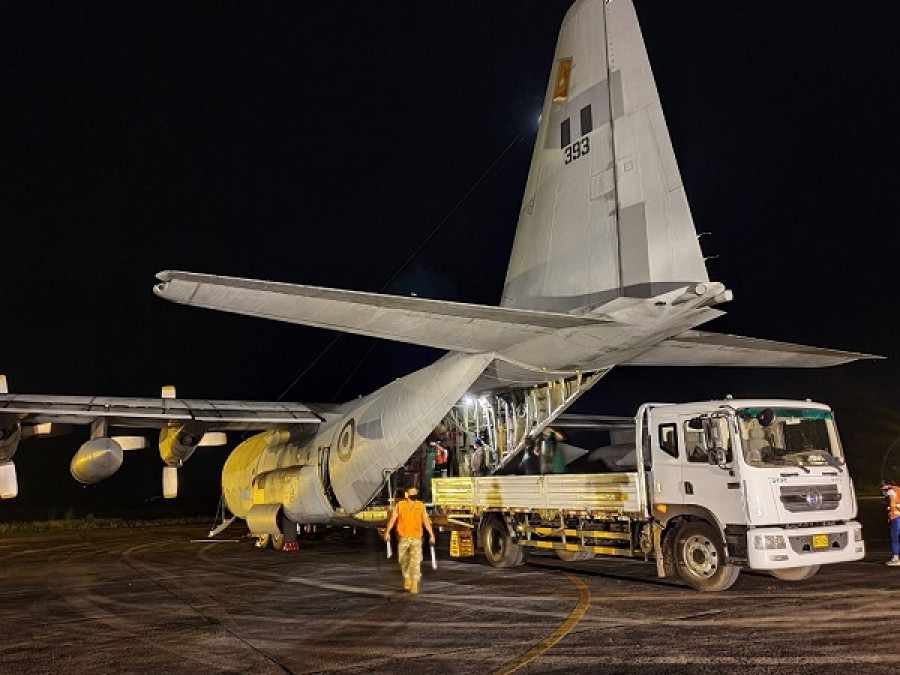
(599, 493)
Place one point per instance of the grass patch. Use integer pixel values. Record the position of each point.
(91, 523)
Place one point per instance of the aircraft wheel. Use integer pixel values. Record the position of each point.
(499, 548)
(795, 573)
(700, 557)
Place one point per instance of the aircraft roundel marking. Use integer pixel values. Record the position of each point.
(346, 439)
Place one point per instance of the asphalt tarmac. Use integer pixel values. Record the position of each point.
(157, 600)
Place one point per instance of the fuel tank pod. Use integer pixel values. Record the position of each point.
(96, 460)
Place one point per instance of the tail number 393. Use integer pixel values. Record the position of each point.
(577, 149)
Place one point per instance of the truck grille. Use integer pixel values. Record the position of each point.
(803, 498)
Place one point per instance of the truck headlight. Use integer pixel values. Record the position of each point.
(857, 534)
(762, 542)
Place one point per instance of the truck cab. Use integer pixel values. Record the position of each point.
(755, 483)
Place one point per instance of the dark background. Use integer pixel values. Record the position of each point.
(324, 144)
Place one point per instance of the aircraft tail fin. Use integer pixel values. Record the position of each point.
(604, 213)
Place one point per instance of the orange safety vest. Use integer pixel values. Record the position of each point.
(409, 518)
(893, 507)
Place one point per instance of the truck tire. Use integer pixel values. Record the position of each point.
(795, 573)
(668, 552)
(700, 557)
(574, 556)
(499, 548)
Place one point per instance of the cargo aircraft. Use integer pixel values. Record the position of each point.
(606, 270)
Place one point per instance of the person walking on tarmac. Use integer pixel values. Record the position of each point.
(410, 517)
(891, 493)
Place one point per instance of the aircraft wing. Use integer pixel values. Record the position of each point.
(454, 326)
(151, 413)
(700, 348)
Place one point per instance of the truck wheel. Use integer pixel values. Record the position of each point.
(499, 548)
(278, 541)
(795, 573)
(574, 556)
(668, 552)
(700, 557)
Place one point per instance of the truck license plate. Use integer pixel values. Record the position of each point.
(820, 541)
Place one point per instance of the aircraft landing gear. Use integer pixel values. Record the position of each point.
(289, 536)
(286, 540)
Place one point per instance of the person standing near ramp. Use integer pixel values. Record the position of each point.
(410, 517)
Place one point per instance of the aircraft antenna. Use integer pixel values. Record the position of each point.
(353, 372)
(452, 211)
(309, 367)
(406, 262)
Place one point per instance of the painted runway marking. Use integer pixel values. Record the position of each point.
(584, 601)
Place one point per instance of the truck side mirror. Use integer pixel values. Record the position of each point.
(718, 455)
(721, 457)
(711, 433)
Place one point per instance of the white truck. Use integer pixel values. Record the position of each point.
(703, 489)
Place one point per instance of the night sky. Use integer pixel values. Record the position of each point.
(323, 144)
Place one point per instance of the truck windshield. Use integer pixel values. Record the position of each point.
(795, 436)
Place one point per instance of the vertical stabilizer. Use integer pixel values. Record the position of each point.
(604, 213)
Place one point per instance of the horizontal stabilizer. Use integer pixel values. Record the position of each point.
(454, 326)
(700, 348)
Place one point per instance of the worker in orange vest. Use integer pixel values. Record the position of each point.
(891, 493)
(410, 517)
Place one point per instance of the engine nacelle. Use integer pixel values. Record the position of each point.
(10, 435)
(96, 460)
(177, 443)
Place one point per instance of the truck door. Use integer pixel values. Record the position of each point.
(666, 451)
(704, 482)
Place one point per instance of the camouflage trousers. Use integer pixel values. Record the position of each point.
(409, 553)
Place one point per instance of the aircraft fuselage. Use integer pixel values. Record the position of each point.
(312, 476)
